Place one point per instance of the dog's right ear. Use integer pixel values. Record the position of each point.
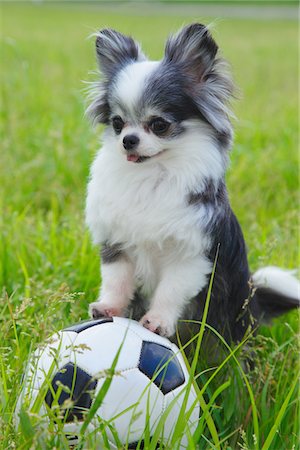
(115, 50)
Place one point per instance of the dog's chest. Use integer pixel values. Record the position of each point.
(139, 205)
(145, 210)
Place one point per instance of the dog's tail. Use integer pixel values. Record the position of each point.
(277, 291)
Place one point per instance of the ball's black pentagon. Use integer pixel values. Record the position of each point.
(85, 324)
(78, 386)
(160, 364)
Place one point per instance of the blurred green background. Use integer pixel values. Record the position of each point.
(49, 271)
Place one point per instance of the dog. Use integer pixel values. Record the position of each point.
(157, 203)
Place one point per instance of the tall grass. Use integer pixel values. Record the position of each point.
(48, 268)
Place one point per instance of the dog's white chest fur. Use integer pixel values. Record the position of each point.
(144, 207)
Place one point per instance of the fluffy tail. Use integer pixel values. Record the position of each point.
(277, 291)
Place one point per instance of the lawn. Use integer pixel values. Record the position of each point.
(48, 268)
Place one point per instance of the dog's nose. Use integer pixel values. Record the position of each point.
(130, 142)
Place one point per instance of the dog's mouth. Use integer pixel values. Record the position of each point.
(136, 158)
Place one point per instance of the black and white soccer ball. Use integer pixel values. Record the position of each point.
(149, 385)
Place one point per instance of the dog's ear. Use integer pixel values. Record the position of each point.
(193, 49)
(115, 50)
(207, 77)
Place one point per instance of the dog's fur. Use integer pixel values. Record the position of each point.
(157, 202)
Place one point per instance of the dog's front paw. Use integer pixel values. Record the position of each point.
(157, 323)
(101, 309)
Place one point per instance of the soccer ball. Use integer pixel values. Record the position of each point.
(113, 382)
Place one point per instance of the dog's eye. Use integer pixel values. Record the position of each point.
(159, 125)
(117, 124)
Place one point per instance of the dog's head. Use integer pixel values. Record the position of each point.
(149, 106)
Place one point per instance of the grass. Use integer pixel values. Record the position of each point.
(48, 268)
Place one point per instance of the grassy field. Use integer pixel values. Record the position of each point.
(48, 268)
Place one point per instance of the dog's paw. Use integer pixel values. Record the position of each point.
(100, 309)
(158, 324)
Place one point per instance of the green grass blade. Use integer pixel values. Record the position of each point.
(280, 415)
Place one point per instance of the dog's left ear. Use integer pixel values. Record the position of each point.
(193, 49)
(207, 79)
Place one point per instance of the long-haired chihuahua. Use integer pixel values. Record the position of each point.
(157, 203)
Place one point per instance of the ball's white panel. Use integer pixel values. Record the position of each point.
(131, 389)
(97, 347)
(141, 331)
(47, 359)
(174, 399)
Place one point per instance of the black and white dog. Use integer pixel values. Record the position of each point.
(157, 202)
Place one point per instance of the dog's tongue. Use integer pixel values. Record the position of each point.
(133, 157)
